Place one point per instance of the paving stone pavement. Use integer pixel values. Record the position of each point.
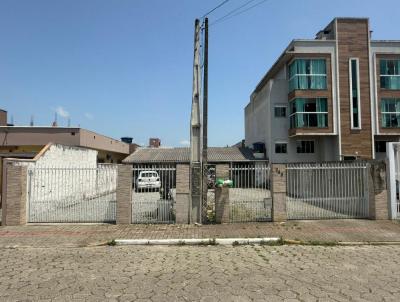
(207, 273)
(349, 230)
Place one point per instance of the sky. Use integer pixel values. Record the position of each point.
(124, 67)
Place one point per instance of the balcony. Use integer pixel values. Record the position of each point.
(309, 120)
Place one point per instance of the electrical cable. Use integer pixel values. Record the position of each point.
(218, 6)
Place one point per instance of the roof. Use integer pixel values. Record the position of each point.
(182, 155)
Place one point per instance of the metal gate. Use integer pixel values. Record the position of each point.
(153, 194)
(327, 190)
(208, 203)
(250, 197)
(393, 156)
(72, 194)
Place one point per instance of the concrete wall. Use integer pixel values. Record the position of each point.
(31, 136)
(97, 141)
(60, 156)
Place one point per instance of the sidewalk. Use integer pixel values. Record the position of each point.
(79, 235)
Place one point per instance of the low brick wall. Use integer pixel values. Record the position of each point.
(15, 195)
(124, 194)
(222, 205)
(278, 186)
(379, 203)
(182, 193)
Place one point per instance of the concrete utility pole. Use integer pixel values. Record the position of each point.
(195, 135)
(205, 121)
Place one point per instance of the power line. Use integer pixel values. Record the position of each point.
(230, 16)
(218, 6)
(233, 11)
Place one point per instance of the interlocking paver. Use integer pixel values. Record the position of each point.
(213, 273)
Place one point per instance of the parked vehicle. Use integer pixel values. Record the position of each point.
(148, 180)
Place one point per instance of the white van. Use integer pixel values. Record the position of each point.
(148, 180)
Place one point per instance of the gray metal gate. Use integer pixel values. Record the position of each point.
(208, 204)
(72, 194)
(327, 190)
(250, 196)
(154, 193)
(393, 160)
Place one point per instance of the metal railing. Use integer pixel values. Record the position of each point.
(153, 193)
(250, 196)
(327, 190)
(72, 194)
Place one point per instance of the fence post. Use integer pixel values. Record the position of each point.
(222, 206)
(14, 194)
(182, 193)
(222, 171)
(379, 205)
(278, 187)
(124, 194)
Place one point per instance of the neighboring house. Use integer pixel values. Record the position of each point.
(28, 141)
(332, 98)
(182, 155)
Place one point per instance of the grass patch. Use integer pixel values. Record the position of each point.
(209, 242)
(112, 243)
(280, 241)
(320, 243)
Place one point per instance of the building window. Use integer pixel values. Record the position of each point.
(280, 147)
(390, 110)
(280, 111)
(306, 113)
(305, 146)
(307, 74)
(355, 112)
(380, 146)
(390, 74)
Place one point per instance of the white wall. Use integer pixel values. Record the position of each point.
(60, 156)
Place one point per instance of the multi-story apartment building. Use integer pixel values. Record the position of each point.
(331, 98)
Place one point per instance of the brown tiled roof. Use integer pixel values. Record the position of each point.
(182, 155)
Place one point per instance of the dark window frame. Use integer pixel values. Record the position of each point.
(281, 108)
(305, 146)
(281, 148)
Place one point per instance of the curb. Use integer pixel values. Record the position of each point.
(198, 241)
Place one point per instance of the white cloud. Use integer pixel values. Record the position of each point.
(89, 116)
(184, 142)
(62, 112)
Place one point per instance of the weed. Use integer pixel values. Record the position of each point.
(235, 243)
(321, 243)
(212, 242)
(209, 242)
(112, 242)
(280, 241)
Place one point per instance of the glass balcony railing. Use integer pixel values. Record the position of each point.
(391, 82)
(390, 120)
(307, 82)
(309, 120)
